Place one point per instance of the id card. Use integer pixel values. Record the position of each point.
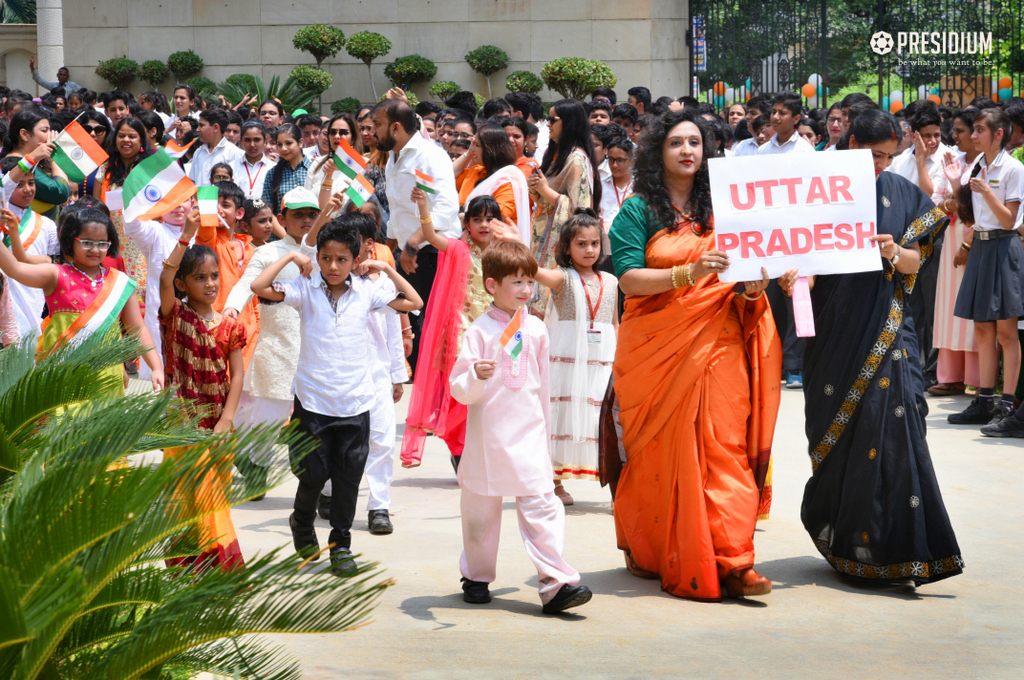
(593, 337)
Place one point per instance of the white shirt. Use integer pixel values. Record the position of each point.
(385, 333)
(204, 159)
(611, 200)
(543, 139)
(905, 164)
(333, 373)
(420, 154)
(604, 169)
(795, 144)
(745, 147)
(29, 301)
(1005, 176)
(250, 176)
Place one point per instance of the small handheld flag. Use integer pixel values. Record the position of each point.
(425, 182)
(348, 160)
(206, 197)
(77, 153)
(359, 191)
(175, 151)
(155, 187)
(512, 339)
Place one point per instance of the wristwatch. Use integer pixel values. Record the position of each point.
(411, 250)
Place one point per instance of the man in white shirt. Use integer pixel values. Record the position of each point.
(397, 134)
(251, 169)
(215, 148)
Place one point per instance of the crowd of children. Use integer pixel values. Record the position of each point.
(290, 305)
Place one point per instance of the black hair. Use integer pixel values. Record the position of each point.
(642, 96)
(484, 205)
(742, 130)
(496, 106)
(994, 119)
(365, 225)
(273, 102)
(604, 92)
(193, 124)
(599, 105)
(372, 201)
(759, 123)
(251, 124)
(575, 135)
(512, 121)
(134, 108)
(1015, 112)
(307, 119)
(815, 127)
(193, 256)
(648, 171)
(718, 127)
(189, 89)
(398, 111)
(425, 109)
(26, 119)
(854, 98)
(464, 100)
(659, 106)
(222, 166)
(231, 191)
(606, 133)
(621, 142)
(688, 102)
(116, 169)
(151, 121)
(873, 126)
(252, 208)
(496, 150)
(115, 95)
(791, 102)
(72, 225)
(582, 218)
(234, 117)
(8, 163)
(215, 117)
(277, 174)
(627, 111)
(83, 202)
(925, 117)
(645, 120)
(344, 230)
(460, 143)
(761, 103)
(983, 102)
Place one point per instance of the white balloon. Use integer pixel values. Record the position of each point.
(814, 79)
(812, 102)
(730, 95)
(895, 96)
(923, 92)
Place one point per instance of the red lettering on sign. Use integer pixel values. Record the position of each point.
(751, 241)
(864, 233)
(766, 185)
(844, 236)
(777, 244)
(734, 191)
(823, 236)
(817, 192)
(728, 241)
(791, 184)
(840, 185)
(808, 240)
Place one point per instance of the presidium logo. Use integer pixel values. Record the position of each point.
(946, 42)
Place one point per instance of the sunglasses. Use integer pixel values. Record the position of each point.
(94, 129)
(553, 119)
(88, 244)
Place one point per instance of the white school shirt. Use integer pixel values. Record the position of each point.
(28, 301)
(421, 154)
(385, 334)
(1005, 176)
(250, 176)
(745, 147)
(333, 374)
(795, 144)
(204, 159)
(610, 200)
(905, 164)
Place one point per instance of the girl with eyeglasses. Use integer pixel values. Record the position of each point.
(835, 128)
(324, 178)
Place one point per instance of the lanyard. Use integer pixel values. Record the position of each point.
(252, 182)
(625, 192)
(593, 309)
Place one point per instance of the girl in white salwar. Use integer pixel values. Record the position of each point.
(583, 323)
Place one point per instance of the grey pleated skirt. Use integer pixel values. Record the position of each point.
(993, 283)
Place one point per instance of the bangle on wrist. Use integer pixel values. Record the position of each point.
(25, 167)
(896, 256)
(428, 218)
(170, 266)
(183, 242)
(747, 297)
(28, 160)
(965, 245)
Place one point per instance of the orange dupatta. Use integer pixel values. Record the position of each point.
(664, 346)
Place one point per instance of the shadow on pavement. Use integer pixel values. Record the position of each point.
(423, 608)
(807, 570)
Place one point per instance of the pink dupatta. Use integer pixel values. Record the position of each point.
(439, 348)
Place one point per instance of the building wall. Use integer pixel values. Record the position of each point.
(643, 41)
(17, 44)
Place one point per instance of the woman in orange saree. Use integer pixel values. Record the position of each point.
(697, 374)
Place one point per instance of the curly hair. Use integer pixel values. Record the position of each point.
(649, 172)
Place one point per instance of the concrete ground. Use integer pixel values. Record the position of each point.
(812, 625)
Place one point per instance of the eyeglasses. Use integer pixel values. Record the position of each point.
(617, 161)
(94, 129)
(553, 119)
(835, 120)
(88, 244)
(462, 135)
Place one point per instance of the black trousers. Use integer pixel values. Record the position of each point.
(922, 307)
(344, 444)
(422, 280)
(792, 344)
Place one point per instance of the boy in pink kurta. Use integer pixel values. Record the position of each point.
(507, 437)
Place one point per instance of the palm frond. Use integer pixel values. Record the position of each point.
(243, 658)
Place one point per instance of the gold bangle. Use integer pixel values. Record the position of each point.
(326, 185)
(747, 297)
(424, 221)
(688, 275)
(675, 276)
(172, 267)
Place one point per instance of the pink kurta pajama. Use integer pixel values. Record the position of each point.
(506, 454)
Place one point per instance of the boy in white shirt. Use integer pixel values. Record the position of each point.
(333, 387)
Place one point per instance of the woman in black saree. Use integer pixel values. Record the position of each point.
(873, 506)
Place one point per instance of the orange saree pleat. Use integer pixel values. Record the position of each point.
(697, 377)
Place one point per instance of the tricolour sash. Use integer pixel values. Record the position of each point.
(30, 227)
(104, 310)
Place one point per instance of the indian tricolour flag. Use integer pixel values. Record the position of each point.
(206, 197)
(512, 339)
(425, 182)
(348, 160)
(155, 187)
(77, 153)
(175, 151)
(359, 191)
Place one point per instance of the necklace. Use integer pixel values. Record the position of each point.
(686, 217)
(92, 281)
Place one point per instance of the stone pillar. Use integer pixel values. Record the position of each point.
(50, 38)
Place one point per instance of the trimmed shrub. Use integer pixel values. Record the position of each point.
(312, 78)
(576, 77)
(203, 86)
(346, 105)
(409, 70)
(154, 72)
(487, 60)
(367, 46)
(119, 72)
(185, 64)
(443, 89)
(524, 81)
(320, 40)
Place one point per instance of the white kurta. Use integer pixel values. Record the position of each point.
(509, 421)
(28, 301)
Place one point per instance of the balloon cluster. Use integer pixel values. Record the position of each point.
(723, 94)
(1002, 89)
(813, 90)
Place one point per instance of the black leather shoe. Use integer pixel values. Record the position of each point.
(1010, 426)
(342, 562)
(475, 592)
(567, 597)
(304, 539)
(455, 463)
(976, 413)
(380, 522)
(323, 507)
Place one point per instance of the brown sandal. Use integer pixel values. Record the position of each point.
(746, 583)
(635, 569)
(562, 494)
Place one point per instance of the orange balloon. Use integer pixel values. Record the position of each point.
(1005, 82)
(934, 98)
(719, 87)
(748, 96)
(995, 97)
(809, 90)
(895, 106)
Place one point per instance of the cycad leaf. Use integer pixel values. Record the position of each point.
(244, 658)
(13, 629)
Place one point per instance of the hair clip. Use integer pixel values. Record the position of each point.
(258, 204)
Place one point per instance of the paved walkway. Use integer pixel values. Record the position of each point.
(811, 626)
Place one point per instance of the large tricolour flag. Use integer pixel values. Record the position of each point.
(155, 187)
(77, 153)
(348, 160)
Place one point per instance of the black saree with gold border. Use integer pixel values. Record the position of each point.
(873, 506)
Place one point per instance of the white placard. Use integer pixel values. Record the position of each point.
(114, 200)
(811, 211)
